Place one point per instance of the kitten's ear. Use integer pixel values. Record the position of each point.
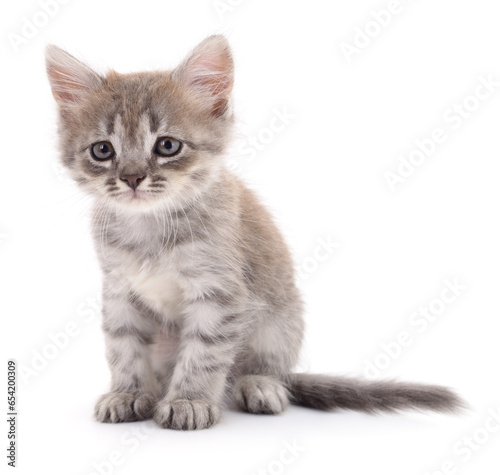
(208, 73)
(69, 78)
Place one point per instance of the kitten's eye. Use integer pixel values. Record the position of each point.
(102, 151)
(167, 146)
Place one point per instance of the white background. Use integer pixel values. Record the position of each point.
(323, 177)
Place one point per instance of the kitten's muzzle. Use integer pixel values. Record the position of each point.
(132, 180)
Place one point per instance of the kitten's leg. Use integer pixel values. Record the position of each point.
(273, 352)
(128, 335)
(209, 341)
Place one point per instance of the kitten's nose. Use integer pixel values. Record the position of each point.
(132, 180)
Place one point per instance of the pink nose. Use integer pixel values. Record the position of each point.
(132, 180)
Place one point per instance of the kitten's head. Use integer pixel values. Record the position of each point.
(148, 138)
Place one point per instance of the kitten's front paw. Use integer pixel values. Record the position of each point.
(183, 414)
(124, 407)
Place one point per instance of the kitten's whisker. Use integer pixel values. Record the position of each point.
(172, 230)
(80, 197)
(193, 207)
(190, 229)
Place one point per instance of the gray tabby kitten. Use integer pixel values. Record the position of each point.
(199, 293)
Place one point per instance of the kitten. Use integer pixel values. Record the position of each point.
(199, 293)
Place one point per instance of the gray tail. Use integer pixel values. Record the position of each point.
(330, 392)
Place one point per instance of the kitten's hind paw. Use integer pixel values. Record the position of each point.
(124, 407)
(261, 394)
(183, 414)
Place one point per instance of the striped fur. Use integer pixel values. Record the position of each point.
(199, 294)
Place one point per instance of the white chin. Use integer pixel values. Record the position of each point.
(137, 201)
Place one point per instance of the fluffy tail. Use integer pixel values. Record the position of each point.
(330, 392)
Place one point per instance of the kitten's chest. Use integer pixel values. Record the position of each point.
(142, 257)
(154, 283)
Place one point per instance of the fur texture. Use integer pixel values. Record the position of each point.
(199, 294)
(328, 393)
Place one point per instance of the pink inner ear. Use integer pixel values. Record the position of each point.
(208, 72)
(69, 78)
(213, 74)
(65, 87)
